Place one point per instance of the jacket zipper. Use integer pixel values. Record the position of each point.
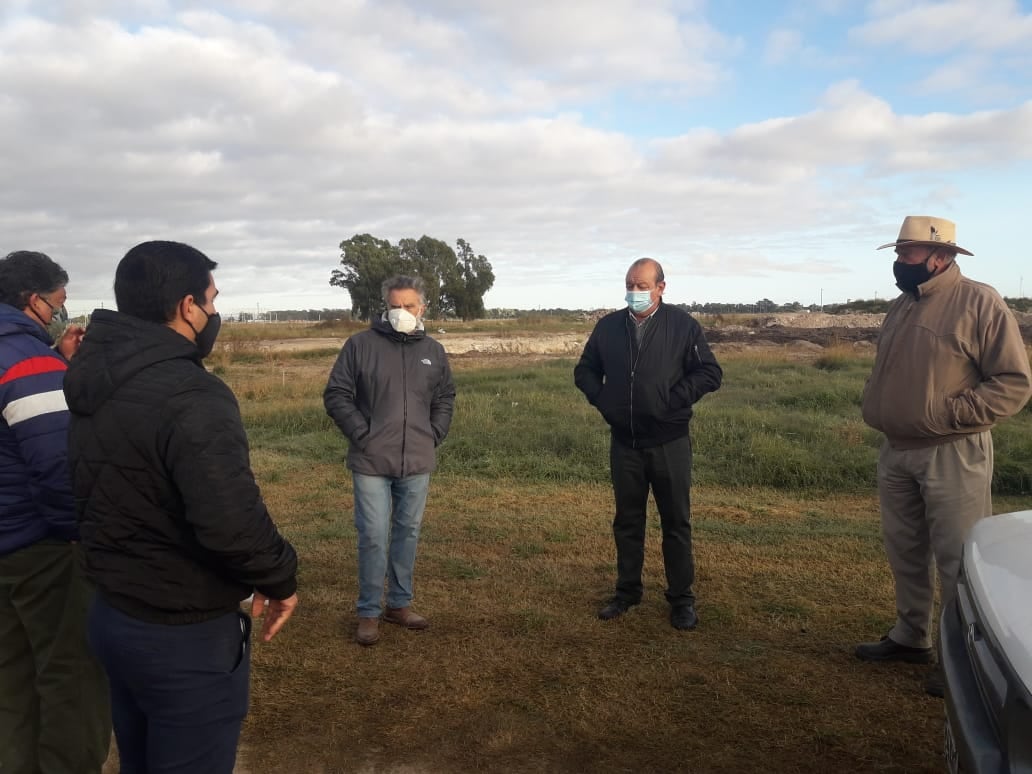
(634, 365)
(404, 407)
(634, 368)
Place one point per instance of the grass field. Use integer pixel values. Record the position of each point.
(515, 673)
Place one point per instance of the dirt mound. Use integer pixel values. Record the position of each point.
(544, 344)
(800, 331)
(821, 320)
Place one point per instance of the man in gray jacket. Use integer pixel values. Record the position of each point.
(391, 394)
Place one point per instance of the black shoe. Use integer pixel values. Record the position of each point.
(887, 649)
(935, 683)
(615, 608)
(683, 618)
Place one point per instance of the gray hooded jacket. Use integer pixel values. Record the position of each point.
(392, 396)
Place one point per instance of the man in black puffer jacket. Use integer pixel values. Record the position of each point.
(644, 368)
(174, 528)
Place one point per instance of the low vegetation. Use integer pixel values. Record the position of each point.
(516, 674)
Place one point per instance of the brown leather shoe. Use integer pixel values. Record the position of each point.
(368, 631)
(404, 616)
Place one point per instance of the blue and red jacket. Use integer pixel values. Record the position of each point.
(35, 486)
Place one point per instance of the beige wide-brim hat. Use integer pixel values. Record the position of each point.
(926, 230)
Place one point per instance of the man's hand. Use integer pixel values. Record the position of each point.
(70, 340)
(276, 612)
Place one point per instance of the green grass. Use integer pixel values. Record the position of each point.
(792, 425)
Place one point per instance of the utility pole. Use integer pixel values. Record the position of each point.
(822, 299)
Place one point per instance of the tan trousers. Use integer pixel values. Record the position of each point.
(930, 498)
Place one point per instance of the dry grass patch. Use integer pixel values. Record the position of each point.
(516, 674)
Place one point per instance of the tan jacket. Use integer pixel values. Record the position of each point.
(950, 362)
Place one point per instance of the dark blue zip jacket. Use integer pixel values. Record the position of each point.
(392, 395)
(35, 487)
(646, 393)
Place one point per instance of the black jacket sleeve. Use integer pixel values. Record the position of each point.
(589, 373)
(208, 461)
(702, 373)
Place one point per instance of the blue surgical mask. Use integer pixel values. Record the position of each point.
(638, 300)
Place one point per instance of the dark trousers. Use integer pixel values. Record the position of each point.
(54, 714)
(179, 694)
(668, 470)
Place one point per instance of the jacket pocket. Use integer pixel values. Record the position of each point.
(613, 412)
(939, 416)
(245, 641)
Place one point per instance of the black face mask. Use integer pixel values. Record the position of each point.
(206, 338)
(910, 275)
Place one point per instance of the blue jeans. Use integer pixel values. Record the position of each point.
(179, 694)
(388, 515)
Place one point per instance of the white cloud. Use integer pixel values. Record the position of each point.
(266, 133)
(935, 28)
(855, 129)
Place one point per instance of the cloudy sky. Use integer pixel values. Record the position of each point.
(757, 149)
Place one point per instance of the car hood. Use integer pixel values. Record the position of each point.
(998, 565)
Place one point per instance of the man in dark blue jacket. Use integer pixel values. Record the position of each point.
(391, 394)
(53, 696)
(644, 368)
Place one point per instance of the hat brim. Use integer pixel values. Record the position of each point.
(947, 245)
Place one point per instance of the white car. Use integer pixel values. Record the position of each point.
(987, 651)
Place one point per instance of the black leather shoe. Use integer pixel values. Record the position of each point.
(887, 649)
(615, 608)
(935, 683)
(684, 618)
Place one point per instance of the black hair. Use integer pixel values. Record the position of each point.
(24, 272)
(154, 277)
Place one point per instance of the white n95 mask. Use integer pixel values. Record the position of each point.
(402, 320)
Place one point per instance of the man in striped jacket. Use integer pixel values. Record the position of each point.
(54, 714)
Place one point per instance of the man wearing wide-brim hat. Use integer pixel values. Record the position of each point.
(950, 364)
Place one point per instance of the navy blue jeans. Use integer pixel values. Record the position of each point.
(179, 694)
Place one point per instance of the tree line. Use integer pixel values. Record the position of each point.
(456, 280)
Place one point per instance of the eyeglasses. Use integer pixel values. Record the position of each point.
(56, 312)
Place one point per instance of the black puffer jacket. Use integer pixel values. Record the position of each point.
(645, 393)
(173, 524)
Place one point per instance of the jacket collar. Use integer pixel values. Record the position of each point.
(940, 282)
(636, 321)
(14, 320)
